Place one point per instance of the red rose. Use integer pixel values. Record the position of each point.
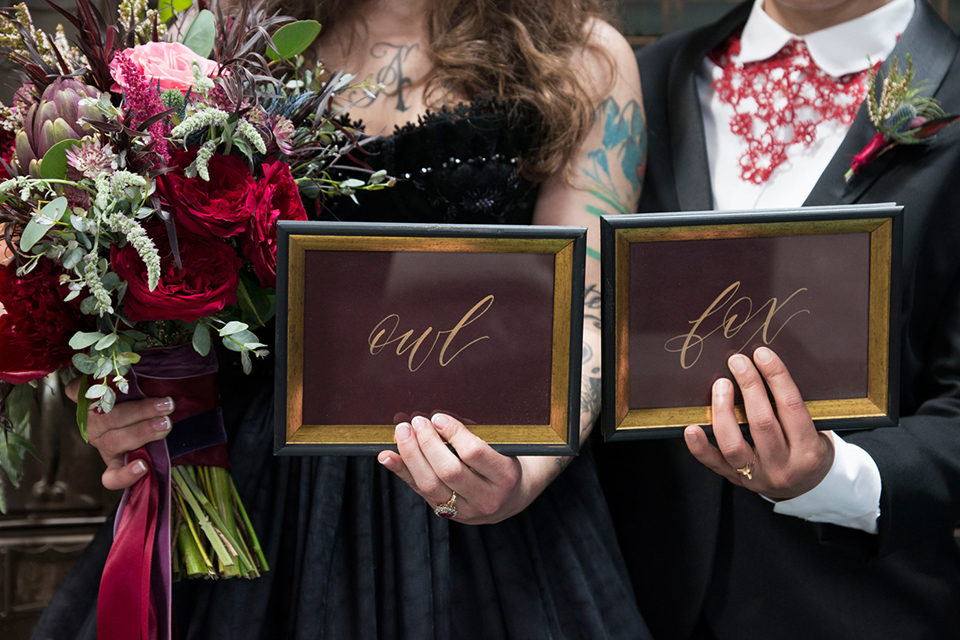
(218, 208)
(207, 284)
(276, 197)
(36, 324)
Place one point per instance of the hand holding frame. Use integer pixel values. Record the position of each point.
(789, 456)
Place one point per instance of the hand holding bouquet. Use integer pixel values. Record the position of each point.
(143, 178)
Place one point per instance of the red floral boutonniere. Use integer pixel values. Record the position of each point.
(901, 116)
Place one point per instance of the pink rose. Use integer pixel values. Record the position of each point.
(170, 63)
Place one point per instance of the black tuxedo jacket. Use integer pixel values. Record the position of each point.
(699, 548)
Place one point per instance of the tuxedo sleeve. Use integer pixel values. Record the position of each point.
(919, 461)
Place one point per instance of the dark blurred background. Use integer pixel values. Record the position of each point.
(60, 502)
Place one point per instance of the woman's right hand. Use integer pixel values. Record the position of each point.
(129, 426)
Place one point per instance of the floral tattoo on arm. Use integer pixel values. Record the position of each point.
(617, 166)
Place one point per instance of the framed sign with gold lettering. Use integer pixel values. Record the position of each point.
(377, 323)
(682, 292)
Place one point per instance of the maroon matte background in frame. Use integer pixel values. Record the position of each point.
(721, 294)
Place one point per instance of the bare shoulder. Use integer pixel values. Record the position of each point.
(607, 59)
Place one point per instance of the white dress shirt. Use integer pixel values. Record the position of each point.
(850, 493)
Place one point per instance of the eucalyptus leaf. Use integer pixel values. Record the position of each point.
(233, 327)
(96, 391)
(54, 164)
(199, 36)
(128, 357)
(88, 306)
(84, 363)
(35, 229)
(106, 341)
(41, 223)
(73, 258)
(110, 281)
(82, 340)
(292, 39)
(108, 400)
(235, 342)
(201, 339)
(245, 361)
(104, 367)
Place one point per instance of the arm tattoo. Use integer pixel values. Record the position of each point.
(621, 158)
(590, 397)
(592, 304)
(590, 384)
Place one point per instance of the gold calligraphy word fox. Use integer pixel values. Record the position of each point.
(692, 342)
(380, 338)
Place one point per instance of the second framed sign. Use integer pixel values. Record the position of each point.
(379, 322)
(685, 291)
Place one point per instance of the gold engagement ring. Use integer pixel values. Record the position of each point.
(447, 509)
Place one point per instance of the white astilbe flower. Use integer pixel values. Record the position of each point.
(207, 117)
(24, 183)
(203, 159)
(110, 188)
(91, 275)
(145, 247)
(201, 83)
(250, 132)
(27, 185)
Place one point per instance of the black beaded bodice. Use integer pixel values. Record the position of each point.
(457, 165)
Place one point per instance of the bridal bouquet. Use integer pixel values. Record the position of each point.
(143, 169)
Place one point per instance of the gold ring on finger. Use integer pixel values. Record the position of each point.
(447, 509)
(747, 469)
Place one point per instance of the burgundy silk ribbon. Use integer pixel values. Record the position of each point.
(135, 589)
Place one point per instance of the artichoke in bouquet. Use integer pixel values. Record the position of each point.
(58, 116)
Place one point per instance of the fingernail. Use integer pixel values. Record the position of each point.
(139, 468)
(403, 432)
(440, 420)
(763, 355)
(161, 424)
(721, 387)
(385, 460)
(419, 423)
(165, 405)
(691, 434)
(738, 363)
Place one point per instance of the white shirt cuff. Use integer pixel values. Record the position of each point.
(848, 496)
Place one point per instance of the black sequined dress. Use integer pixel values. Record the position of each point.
(354, 552)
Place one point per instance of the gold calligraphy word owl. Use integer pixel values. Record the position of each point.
(381, 337)
(692, 343)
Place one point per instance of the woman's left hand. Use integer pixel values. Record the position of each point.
(490, 487)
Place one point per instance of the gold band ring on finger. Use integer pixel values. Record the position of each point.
(447, 509)
(747, 469)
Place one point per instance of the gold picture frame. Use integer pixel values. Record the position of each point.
(626, 417)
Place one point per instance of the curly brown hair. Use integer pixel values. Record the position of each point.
(515, 50)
